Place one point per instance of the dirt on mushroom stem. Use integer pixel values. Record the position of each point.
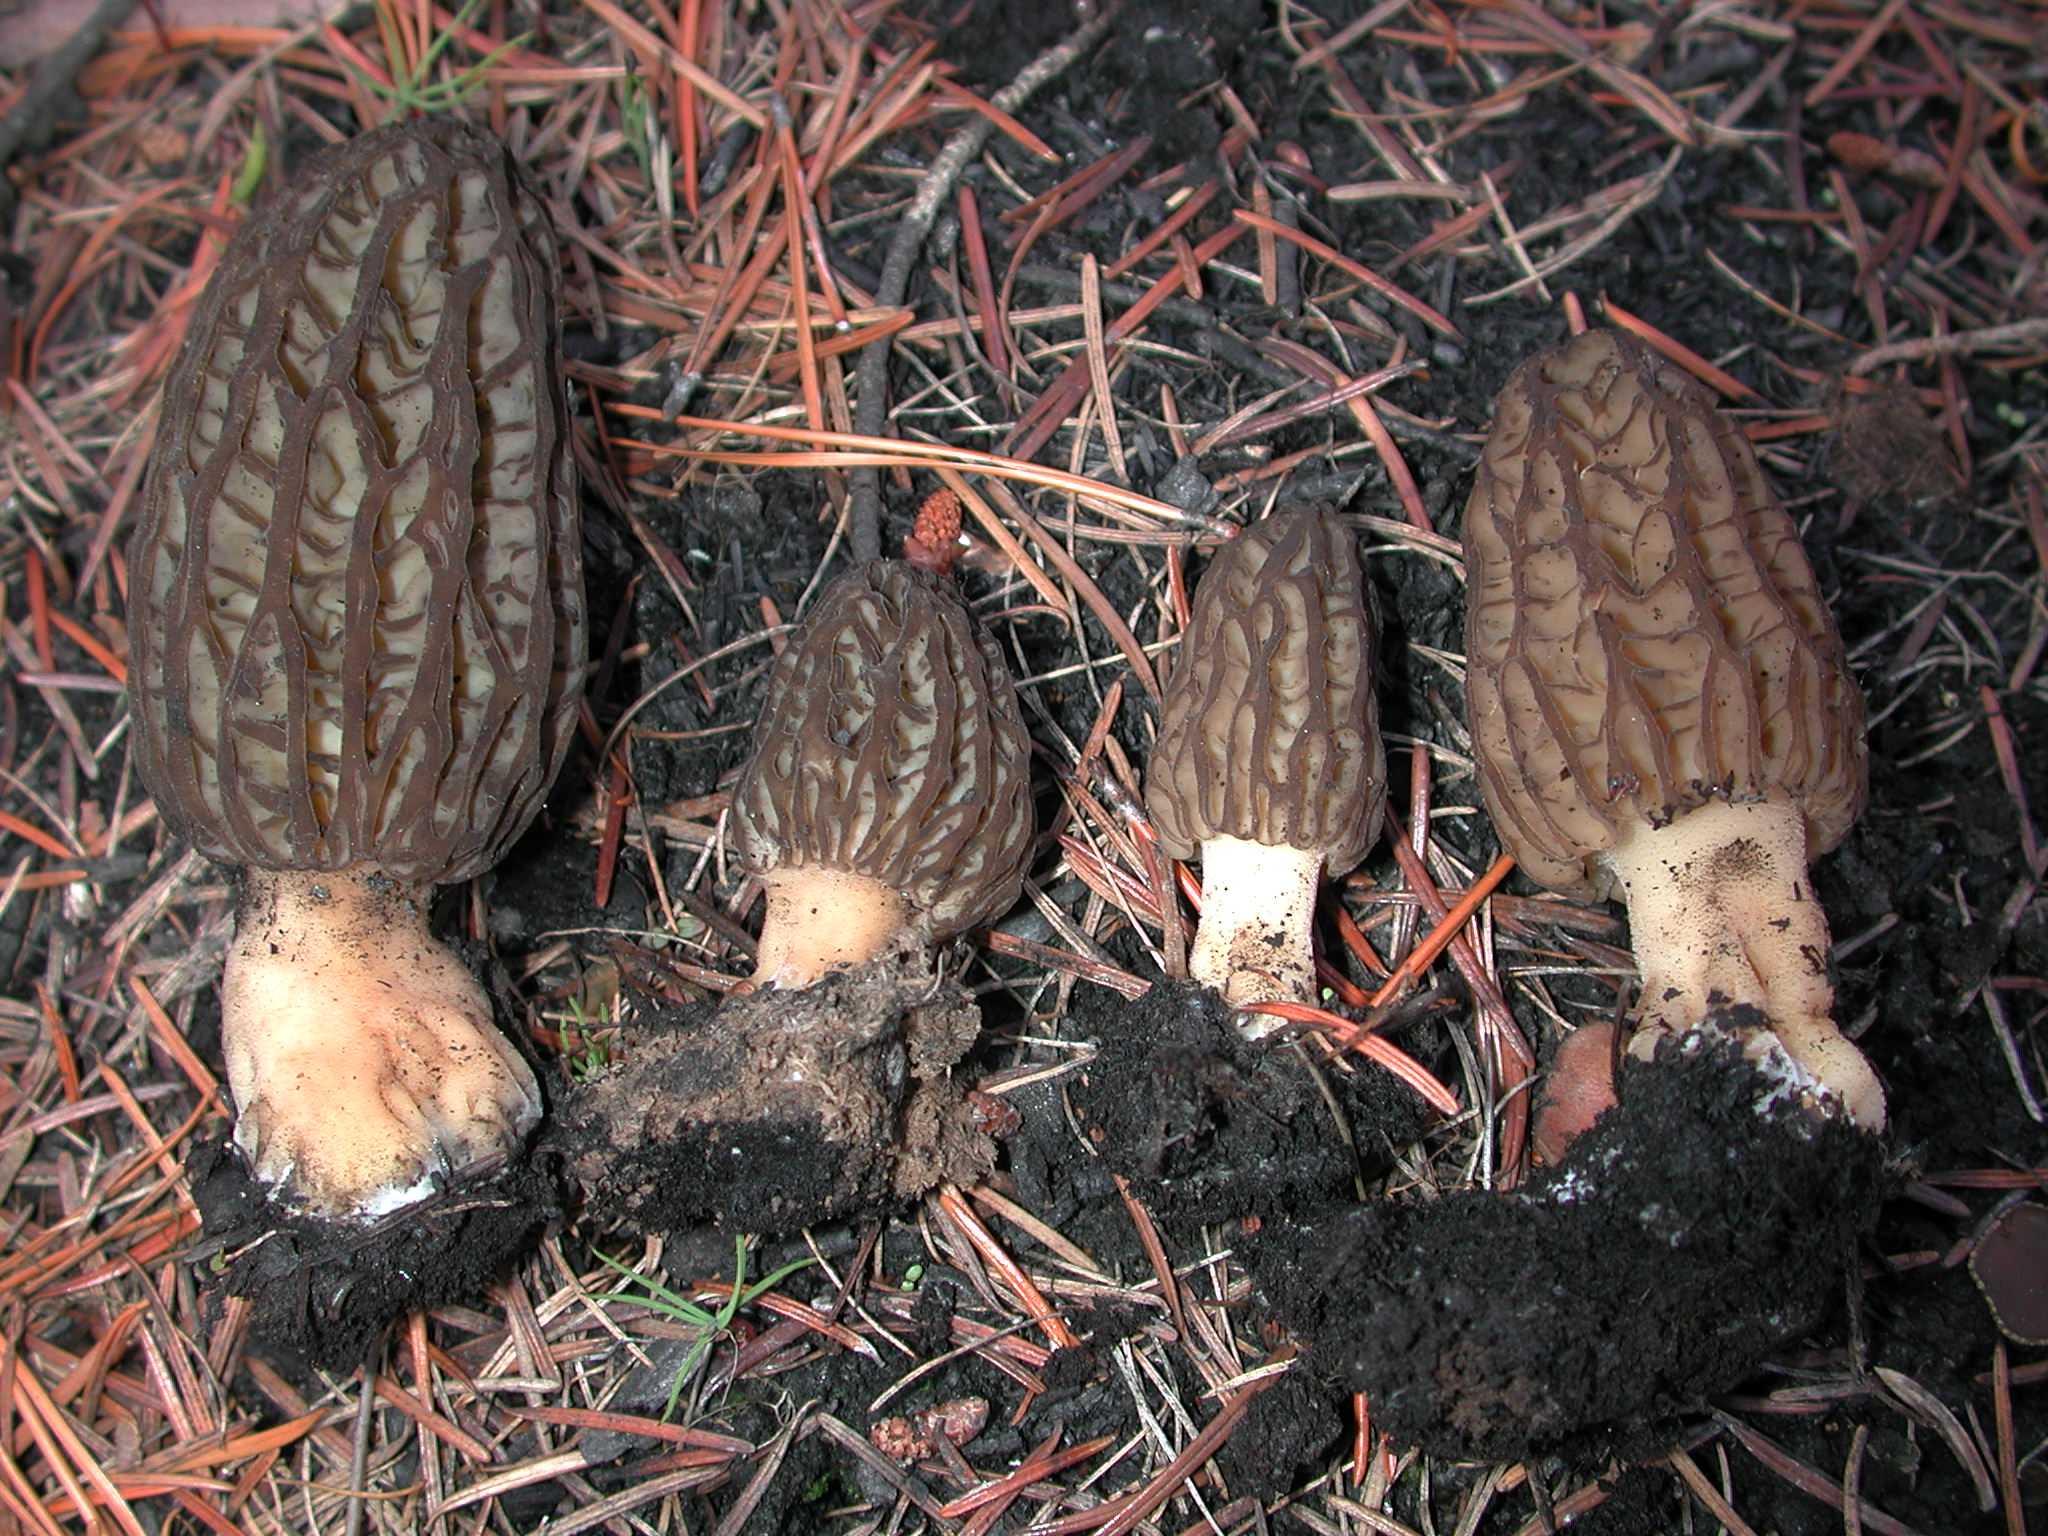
(361, 1054)
(781, 1108)
(1255, 942)
(1723, 912)
(1698, 1225)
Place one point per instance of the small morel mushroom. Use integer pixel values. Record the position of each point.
(886, 807)
(888, 795)
(358, 627)
(1269, 761)
(1659, 700)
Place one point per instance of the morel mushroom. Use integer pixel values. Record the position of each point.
(888, 799)
(1659, 699)
(1269, 761)
(357, 614)
(886, 806)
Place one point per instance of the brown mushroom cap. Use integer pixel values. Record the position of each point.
(1270, 732)
(357, 593)
(890, 746)
(1643, 631)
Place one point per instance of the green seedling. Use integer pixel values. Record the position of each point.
(254, 159)
(586, 1051)
(414, 89)
(635, 116)
(652, 1294)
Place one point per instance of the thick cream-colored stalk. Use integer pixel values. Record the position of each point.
(821, 919)
(1722, 911)
(1255, 942)
(360, 1052)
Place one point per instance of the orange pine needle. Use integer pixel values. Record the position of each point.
(1726, 383)
(1420, 958)
(87, 642)
(9, 822)
(1355, 940)
(1336, 258)
(1385, 1052)
(998, 1259)
(614, 832)
(1035, 1470)
(39, 611)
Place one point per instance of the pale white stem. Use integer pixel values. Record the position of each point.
(824, 919)
(361, 1055)
(1722, 910)
(1255, 942)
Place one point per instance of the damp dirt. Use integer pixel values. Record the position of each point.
(1704, 1223)
(778, 1110)
(322, 1292)
(1207, 1126)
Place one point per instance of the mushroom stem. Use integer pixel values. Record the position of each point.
(820, 919)
(1254, 943)
(1722, 912)
(360, 1052)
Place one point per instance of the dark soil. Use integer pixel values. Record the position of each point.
(1690, 1254)
(1698, 1227)
(322, 1292)
(778, 1110)
(1578, 1327)
(1208, 1127)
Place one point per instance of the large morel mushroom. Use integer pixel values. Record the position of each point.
(356, 605)
(1659, 700)
(1269, 761)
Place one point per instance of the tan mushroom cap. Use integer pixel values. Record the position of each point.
(1270, 732)
(891, 747)
(1643, 631)
(356, 581)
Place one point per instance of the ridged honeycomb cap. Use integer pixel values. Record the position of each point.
(890, 745)
(356, 591)
(1643, 631)
(1270, 731)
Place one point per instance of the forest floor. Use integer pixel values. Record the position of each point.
(1225, 259)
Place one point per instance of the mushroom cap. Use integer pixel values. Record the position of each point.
(890, 745)
(1643, 632)
(1270, 732)
(356, 586)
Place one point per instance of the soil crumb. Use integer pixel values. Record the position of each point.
(321, 1291)
(1693, 1230)
(1887, 451)
(1210, 1127)
(1286, 1439)
(778, 1110)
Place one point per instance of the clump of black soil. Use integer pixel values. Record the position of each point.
(1284, 1441)
(321, 1291)
(1638, 1501)
(1688, 1234)
(1208, 1126)
(778, 1110)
